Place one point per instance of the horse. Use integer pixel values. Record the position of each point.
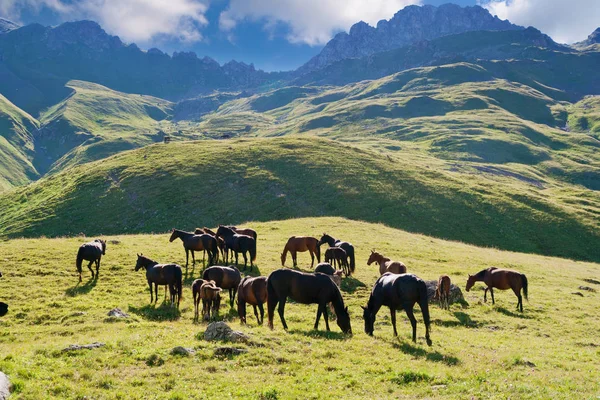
(244, 231)
(502, 279)
(442, 292)
(331, 241)
(335, 275)
(225, 278)
(193, 242)
(211, 299)
(162, 274)
(252, 291)
(220, 241)
(238, 244)
(337, 255)
(196, 285)
(300, 244)
(385, 264)
(306, 289)
(398, 291)
(92, 252)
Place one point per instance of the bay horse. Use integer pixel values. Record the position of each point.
(398, 291)
(211, 299)
(196, 286)
(502, 279)
(162, 274)
(386, 264)
(92, 252)
(244, 231)
(331, 241)
(337, 255)
(225, 278)
(252, 291)
(442, 292)
(193, 242)
(306, 289)
(238, 244)
(297, 244)
(220, 241)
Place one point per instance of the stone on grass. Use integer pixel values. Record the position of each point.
(229, 351)
(182, 351)
(75, 347)
(5, 386)
(117, 313)
(221, 331)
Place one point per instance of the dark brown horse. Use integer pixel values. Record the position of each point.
(220, 241)
(92, 252)
(162, 274)
(244, 231)
(225, 278)
(193, 242)
(386, 264)
(211, 299)
(297, 244)
(331, 241)
(502, 279)
(196, 286)
(252, 291)
(238, 244)
(398, 292)
(442, 292)
(306, 289)
(337, 255)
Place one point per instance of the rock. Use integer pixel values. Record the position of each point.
(3, 309)
(182, 351)
(221, 331)
(74, 347)
(589, 289)
(456, 295)
(5, 386)
(117, 313)
(589, 280)
(229, 351)
(578, 294)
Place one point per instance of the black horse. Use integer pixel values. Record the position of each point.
(238, 244)
(193, 242)
(306, 289)
(225, 278)
(162, 274)
(398, 291)
(333, 242)
(92, 252)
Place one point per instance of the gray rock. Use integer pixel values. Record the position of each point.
(456, 295)
(182, 351)
(221, 331)
(229, 351)
(5, 386)
(75, 347)
(117, 313)
(587, 288)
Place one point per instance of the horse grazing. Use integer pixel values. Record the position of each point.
(398, 291)
(502, 279)
(442, 292)
(252, 291)
(162, 274)
(306, 289)
(220, 241)
(297, 244)
(385, 264)
(92, 252)
(337, 255)
(333, 242)
(244, 231)
(211, 299)
(193, 242)
(238, 244)
(225, 278)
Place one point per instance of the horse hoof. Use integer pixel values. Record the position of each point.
(429, 342)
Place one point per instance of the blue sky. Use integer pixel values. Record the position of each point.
(274, 34)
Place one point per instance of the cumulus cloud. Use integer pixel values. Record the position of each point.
(310, 21)
(132, 20)
(564, 21)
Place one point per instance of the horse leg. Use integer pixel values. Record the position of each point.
(246, 261)
(492, 293)
(256, 314)
(90, 268)
(187, 257)
(312, 259)
(413, 321)
(193, 258)
(271, 304)
(98, 266)
(294, 258)
(281, 310)
(151, 294)
(262, 313)
(485, 295)
(156, 292)
(393, 315)
(318, 317)
(326, 316)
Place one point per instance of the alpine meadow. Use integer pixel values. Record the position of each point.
(140, 193)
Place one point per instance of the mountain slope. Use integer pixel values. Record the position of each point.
(207, 182)
(7, 26)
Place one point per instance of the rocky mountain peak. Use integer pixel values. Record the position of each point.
(7, 26)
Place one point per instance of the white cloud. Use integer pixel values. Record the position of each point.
(310, 21)
(132, 20)
(564, 21)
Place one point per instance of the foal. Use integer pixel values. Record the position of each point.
(442, 292)
(337, 255)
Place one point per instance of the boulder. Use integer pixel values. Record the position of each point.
(456, 295)
(74, 347)
(5, 386)
(117, 313)
(221, 331)
(228, 351)
(182, 351)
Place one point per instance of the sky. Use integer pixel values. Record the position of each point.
(275, 34)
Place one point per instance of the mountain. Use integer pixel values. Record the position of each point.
(36, 62)
(410, 25)
(6, 26)
(592, 40)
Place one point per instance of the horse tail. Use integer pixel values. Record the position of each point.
(318, 251)
(524, 284)
(352, 263)
(179, 278)
(253, 251)
(79, 259)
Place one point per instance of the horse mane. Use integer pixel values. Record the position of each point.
(481, 274)
(143, 257)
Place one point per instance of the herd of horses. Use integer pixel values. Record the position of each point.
(395, 288)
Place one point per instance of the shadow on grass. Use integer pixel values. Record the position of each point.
(420, 352)
(350, 284)
(321, 334)
(462, 319)
(509, 313)
(82, 289)
(164, 312)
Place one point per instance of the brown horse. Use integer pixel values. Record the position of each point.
(337, 255)
(252, 291)
(92, 252)
(225, 278)
(386, 264)
(348, 248)
(238, 243)
(193, 242)
(220, 241)
(196, 285)
(297, 244)
(442, 292)
(502, 279)
(162, 274)
(245, 231)
(211, 299)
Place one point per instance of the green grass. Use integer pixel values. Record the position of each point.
(153, 188)
(584, 116)
(479, 350)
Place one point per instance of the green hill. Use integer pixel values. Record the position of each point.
(208, 182)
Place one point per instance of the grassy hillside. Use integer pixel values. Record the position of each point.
(584, 116)
(16, 146)
(479, 350)
(156, 187)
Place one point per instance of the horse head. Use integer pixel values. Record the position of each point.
(283, 257)
(369, 320)
(470, 282)
(174, 235)
(140, 262)
(372, 257)
(343, 321)
(103, 243)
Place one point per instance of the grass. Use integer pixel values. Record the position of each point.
(479, 350)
